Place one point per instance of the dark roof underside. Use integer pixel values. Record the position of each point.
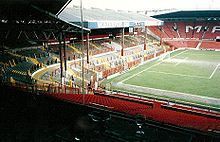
(190, 14)
(19, 9)
(32, 21)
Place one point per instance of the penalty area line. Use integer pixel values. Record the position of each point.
(182, 75)
(210, 77)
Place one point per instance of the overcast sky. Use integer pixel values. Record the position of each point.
(136, 5)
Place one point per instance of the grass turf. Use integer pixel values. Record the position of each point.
(190, 71)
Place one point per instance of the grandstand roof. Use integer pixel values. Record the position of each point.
(32, 12)
(20, 8)
(95, 18)
(202, 14)
(33, 20)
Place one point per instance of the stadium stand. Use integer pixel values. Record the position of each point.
(62, 68)
(136, 108)
(188, 30)
(182, 43)
(210, 45)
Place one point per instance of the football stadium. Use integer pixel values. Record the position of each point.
(72, 73)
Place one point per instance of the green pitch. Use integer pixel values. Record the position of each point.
(192, 72)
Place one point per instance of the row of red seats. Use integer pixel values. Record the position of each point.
(158, 31)
(185, 30)
(134, 63)
(191, 110)
(210, 45)
(148, 57)
(157, 113)
(159, 53)
(111, 71)
(99, 68)
(103, 50)
(183, 43)
(119, 68)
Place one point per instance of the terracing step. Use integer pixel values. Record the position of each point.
(75, 49)
(34, 61)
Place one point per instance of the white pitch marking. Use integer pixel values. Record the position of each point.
(150, 67)
(181, 61)
(182, 75)
(214, 71)
(168, 91)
